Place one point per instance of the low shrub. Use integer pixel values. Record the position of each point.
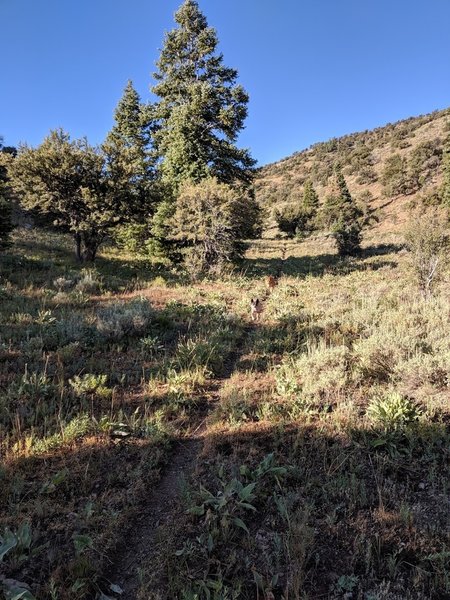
(120, 320)
(393, 412)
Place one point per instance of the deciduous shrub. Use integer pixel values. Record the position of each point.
(427, 241)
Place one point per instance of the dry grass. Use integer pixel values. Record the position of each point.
(301, 491)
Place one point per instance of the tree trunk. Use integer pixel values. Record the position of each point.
(77, 238)
(91, 244)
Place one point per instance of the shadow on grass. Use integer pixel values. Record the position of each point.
(39, 259)
(50, 246)
(344, 500)
(322, 263)
(129, 270)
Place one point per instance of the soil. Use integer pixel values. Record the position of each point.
(142, 542)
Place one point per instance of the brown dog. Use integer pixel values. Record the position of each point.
(255, 309)
(272, 282)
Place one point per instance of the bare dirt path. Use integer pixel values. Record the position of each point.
(142, 541)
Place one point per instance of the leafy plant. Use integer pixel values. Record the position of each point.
(151, 345)
(56, 480)
(287, 384)
(35, 386)
(13, 590)
(225, 507)
(90, 385)
(17, 544)
(346, 583)
(393, 412)
(267, 466)
(82, 543)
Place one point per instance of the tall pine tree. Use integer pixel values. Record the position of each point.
(347, 219)
(201, 108)
(310, 199)
(131, 168)
(196, 120)
(130, 163)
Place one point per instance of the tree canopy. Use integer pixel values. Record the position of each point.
(70, 181)
(6, 225)
(213, 218)
(299, 219)
(201, 108)
(129, 158)
(345, 216)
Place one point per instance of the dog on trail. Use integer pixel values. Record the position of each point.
(272, 282)
(256, 309)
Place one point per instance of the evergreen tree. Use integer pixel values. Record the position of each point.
(130, 164)
(289, 219)
(69, 180)
(201, 109)
(6, 226)
(131, 168)
(445, 190)
(310, 199)
(394, 177)
(299, 219)
(345, 216)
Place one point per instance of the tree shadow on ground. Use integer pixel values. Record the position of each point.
(117, 491)
(317, 266)
(44, 257)
(131, 269)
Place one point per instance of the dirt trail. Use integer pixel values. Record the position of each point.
(142, 539)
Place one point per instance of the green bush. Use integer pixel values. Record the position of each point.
(90, 385)
(427, 241)
(393, 412)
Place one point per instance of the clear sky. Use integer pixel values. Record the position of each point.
(314, 69)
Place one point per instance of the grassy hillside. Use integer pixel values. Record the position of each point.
(157, 444)
(371, 162)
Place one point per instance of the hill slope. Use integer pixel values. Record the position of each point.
(386, 167)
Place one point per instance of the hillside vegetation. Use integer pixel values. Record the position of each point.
(157, 442)
(387, 168)
(315, 443)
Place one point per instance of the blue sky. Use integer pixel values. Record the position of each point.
(314, 69)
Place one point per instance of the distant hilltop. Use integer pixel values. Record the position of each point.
(388, 168)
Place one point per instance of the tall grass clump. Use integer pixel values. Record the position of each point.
(321, 373)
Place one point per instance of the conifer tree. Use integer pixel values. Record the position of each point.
(130, 164)
(299, 219)
(130, 167)
(201, 108)
(347, 219)
(6, 225)
(445, 190)
(196, 120)
(310, 198)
